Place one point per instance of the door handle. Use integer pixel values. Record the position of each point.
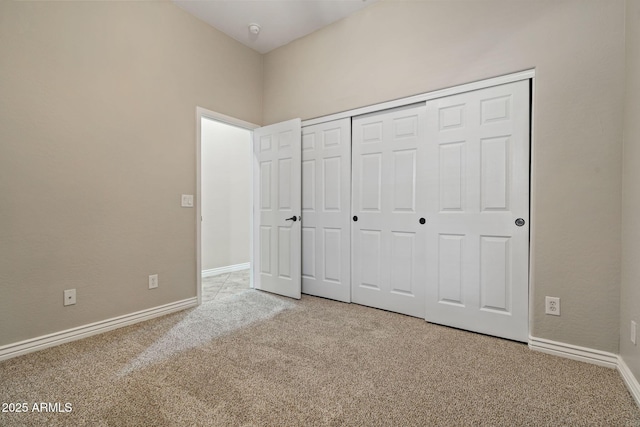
(293, 218)
(519, 222)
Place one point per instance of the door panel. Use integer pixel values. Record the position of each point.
(277, 179)
(477, 257)
(326, 195)
(388, 239)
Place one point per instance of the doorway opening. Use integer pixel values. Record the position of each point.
(224, 203)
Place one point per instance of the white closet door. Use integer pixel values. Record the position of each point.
(276, 201)
(478, 165)
(326, 199)
(388, 241)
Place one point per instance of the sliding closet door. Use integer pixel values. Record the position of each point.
(478, 210)
(326, 199)
(388, 237)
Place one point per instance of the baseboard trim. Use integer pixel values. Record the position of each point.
(57, 338)
(570, 351)
(629, 379)
(589, 355)
(226, 269)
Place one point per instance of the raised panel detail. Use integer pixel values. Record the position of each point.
(308, 185)
(332, 254)
(285, 139)
(451, 172)
(265, 185)
(284, 252)
(405, 127)
(450, 247)
(309, 252)
(308, 142)
(331, 138)
(495, 174)
(401, 262)
(265, 143)
(451, 117)
(404, 185)
(370, 176)
(495, 273)
(265, 249)
(331, 173)
(372, 132)
(284, 184)
(370, 251)
(495, 109)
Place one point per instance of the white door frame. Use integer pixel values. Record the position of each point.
(212, 115)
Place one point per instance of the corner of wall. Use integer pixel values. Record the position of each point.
(630, 277)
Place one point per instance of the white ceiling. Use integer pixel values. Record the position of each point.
(281, 21)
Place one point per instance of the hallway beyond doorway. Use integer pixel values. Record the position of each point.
(224, 285)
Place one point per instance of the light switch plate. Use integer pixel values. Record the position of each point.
(187, 200)
(633, 332)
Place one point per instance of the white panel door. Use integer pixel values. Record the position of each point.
(326, 204)
(478, 170)
(277, 202)
(388, 239)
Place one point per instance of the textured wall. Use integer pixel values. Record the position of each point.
(394, 49)
(97, 142)
(226, 194)
(630, 292)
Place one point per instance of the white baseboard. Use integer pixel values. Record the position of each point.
(574, 352)
(226, 269)
(589, 355)
(57, 338)
(629, 379)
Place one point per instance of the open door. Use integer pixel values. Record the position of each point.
(276, 206)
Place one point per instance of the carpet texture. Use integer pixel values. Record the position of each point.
(224, 285)
(257, 359)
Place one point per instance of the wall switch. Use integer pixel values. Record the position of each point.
(552, 306)
(187, 200)
(633, 332)
(70, 297)
(153, 281)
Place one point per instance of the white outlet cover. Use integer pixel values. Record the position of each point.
(187, 200)
(153, 281)
(633, 332)
(552, 306)
(69, 297)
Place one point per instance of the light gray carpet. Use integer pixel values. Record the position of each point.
(224, 285)
(258, 359)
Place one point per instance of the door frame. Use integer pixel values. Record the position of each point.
(528, 74)
(203, 113)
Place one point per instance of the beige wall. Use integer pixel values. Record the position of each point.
(226, 194)
(97, 142)
(630, 291)
(394, 49)
(97, 131)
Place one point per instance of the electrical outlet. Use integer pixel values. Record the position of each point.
(153, 281)
(552, 306)
(69, 297)
(633, 332)
(187, 200)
